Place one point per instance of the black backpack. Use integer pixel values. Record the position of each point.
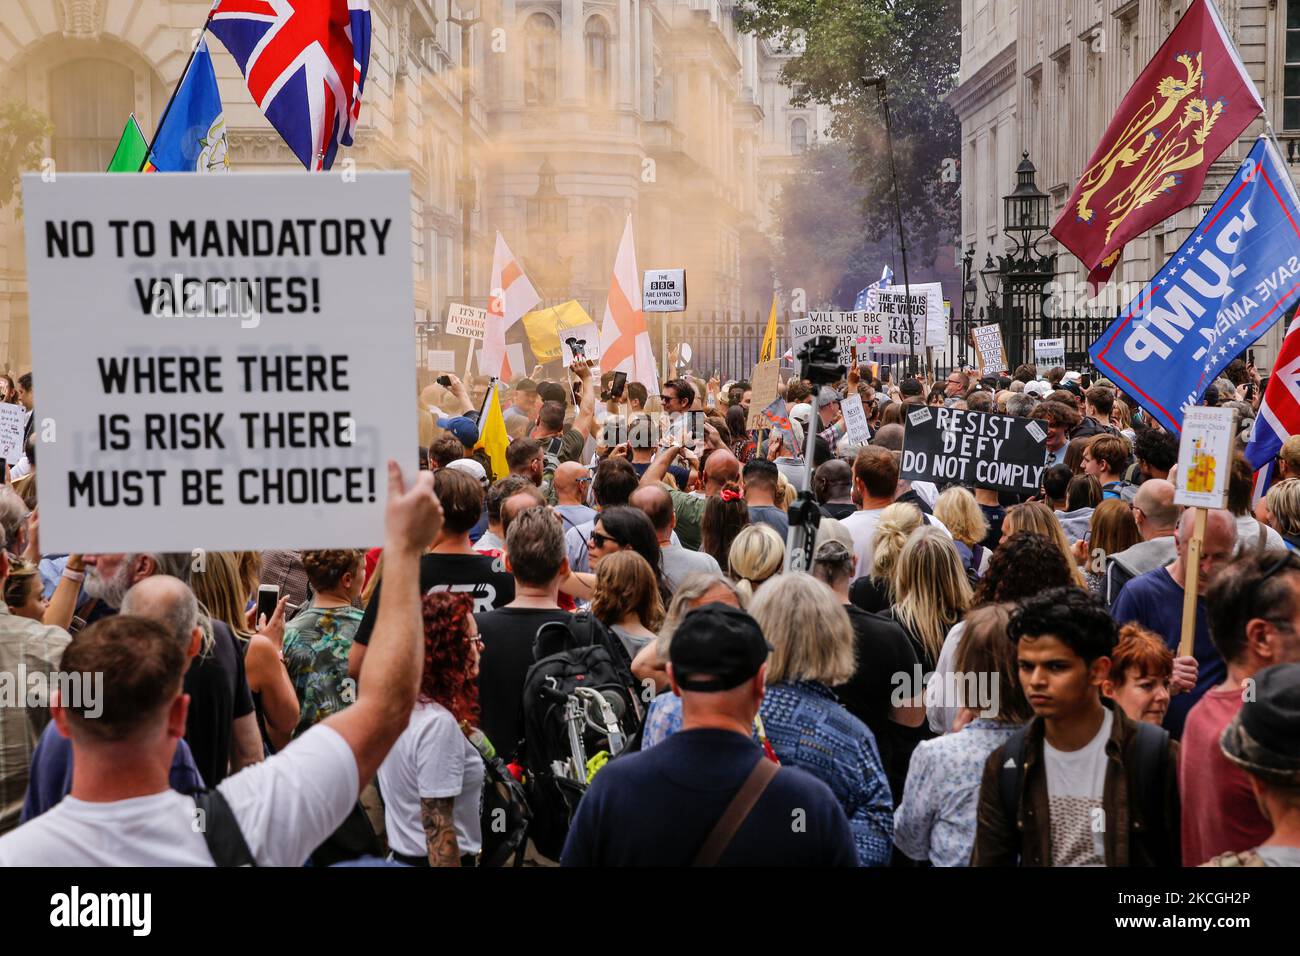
(578, 653)
(505, 813)
(1149, 752)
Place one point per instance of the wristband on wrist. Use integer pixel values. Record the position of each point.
(72, 575)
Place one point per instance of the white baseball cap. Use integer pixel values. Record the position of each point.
(470, 467)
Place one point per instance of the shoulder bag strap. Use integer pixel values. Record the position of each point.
(221, 830)
(737, 812)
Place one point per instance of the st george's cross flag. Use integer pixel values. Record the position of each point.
(511, 296)
(1193, 99)
(305, 62)
(624, 338)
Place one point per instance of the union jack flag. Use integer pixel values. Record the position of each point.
(305, 63)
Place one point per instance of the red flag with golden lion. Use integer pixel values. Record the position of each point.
(1192, 100)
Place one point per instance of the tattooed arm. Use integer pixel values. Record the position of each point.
(439, 830)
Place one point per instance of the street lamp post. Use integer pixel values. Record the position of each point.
(881, 91)
(465, 184)
(969, 291)
(1021, 276)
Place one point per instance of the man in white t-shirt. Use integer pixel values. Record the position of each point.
(121, 811)
(875, 483)
(1091, 787)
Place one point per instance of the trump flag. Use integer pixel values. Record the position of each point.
(1192, 100)
(1237, 274)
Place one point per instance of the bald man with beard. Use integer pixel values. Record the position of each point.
(721, 468)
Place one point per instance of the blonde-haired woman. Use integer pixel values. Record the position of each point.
(220, 591)
(1283, 504)
(931, 591)
(961, 515)
(756, 554)
(874, 591)
(664, 716)
(1036, 518)
(812, 650)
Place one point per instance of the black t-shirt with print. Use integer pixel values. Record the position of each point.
(482, 577)
(507, 654)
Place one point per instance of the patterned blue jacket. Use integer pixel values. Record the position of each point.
(809, 729)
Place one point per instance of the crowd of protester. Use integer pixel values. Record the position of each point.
(961, 677)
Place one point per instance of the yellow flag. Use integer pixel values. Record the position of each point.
(492, 437)
(544, 325)
(768, 351)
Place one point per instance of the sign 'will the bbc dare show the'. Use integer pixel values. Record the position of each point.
(947, 445)
(225, 366)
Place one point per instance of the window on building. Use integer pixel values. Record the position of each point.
(1291, 80)
(597, 38)
(89, 102)
(798, 136)
(539, 59)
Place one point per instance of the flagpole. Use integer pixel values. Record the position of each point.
(179, 80)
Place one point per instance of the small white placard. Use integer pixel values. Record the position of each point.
(855, 420)
(664, 290)
(466, 321)
(1205, 457)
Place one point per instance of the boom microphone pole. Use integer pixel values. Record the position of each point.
(881, 91)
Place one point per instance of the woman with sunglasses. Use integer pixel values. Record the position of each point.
(432, 779)
(624, 528)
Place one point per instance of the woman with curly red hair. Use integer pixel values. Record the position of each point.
(432, 779)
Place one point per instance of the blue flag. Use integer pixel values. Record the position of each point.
(865, 300)
(192, 138)
(1237, 274)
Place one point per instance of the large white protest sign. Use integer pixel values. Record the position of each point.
(229, 358)
(858, 330)
(1049, 354)
(855, 420)
(929, 318)
(466, 321)
(13, 421)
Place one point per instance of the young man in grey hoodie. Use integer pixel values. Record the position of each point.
(1157, 517)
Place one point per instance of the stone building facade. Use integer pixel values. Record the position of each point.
(581, 113)
(1046, 77)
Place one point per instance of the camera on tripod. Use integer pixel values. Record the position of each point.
(819, 360)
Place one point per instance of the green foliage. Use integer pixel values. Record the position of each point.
(916, 46)
(23, 132)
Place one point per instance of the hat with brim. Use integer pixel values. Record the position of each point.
(1263, 739)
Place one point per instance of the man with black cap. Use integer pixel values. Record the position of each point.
(707, 795)
(1262, 740)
